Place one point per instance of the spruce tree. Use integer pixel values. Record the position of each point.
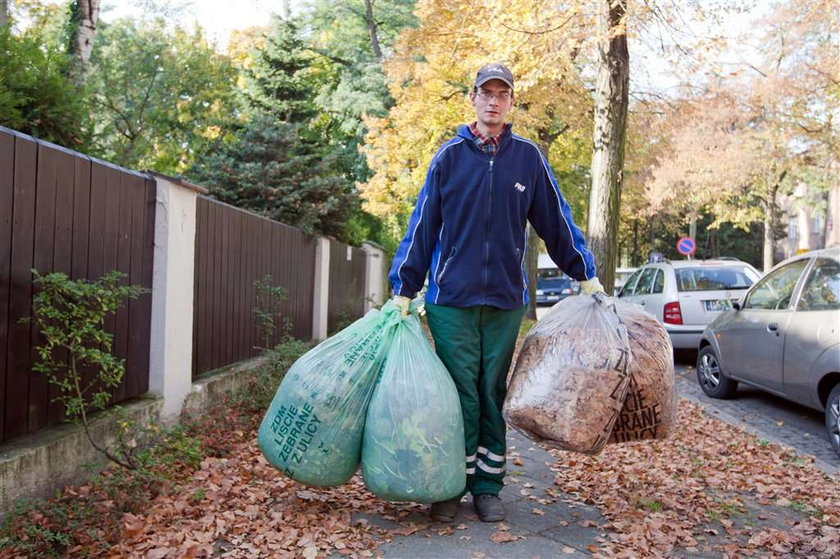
(282, 82)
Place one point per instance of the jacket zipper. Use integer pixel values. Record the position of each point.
(487, 233)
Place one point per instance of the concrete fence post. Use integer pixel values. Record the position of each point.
(321, 296)
(375, 275)
(173, 281)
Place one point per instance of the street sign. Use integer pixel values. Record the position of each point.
(686, 246)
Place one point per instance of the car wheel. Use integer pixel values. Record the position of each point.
(710, 376)
(832, 418)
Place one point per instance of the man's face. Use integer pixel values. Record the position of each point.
(492, 102)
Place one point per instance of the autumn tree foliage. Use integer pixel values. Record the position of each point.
(431, 71)
(751, 136)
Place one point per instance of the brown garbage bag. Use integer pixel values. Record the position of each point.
(650, 408)
(571, 376)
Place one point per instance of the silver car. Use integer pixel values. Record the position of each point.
(686, 295)
(783, 337)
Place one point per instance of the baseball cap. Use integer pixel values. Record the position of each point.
(494, 71)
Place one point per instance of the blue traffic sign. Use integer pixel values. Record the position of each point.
(686, 246)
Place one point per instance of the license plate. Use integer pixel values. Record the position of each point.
(553, 298)
(718, 305)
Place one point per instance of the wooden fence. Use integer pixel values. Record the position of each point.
(235, 248)
(62, 211)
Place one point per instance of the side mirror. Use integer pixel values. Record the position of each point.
(736, 305)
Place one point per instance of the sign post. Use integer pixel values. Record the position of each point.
(686, 246)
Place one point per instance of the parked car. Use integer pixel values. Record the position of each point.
(552, 284)
(783, 337)
(621, 275)
(686, 295)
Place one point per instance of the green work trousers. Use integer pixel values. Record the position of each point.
(476, 345)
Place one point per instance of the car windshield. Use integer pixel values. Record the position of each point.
(711, 278)
(546, 273)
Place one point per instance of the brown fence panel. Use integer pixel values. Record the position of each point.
(235, 248)
(347, 285)
(7, 176)
(17, 351)
(62, 212)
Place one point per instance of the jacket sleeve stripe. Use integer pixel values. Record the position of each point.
(414, 228)
(559, 198)
(399, 284)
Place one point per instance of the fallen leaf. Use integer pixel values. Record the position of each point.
(538, 512)
(310, 552)
(504, 537)
(569, 550)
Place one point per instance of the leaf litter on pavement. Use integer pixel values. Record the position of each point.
(703, 490)
(709, 488)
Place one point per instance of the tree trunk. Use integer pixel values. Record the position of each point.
(611, 94)
(531, 267)
(86, 18)
(371, 23)
(635, 259)
(768, 241)
(4, 12)
(770, 215)
(771, 218)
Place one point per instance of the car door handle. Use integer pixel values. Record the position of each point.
(773, 327)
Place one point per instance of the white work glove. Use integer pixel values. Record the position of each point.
(591, 286)
(401, 303)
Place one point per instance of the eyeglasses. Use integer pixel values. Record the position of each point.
(500, 96)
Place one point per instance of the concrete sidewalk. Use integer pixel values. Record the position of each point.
(541, 521)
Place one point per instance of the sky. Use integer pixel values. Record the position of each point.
(216, 17)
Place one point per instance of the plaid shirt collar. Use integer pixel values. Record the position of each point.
(485, 144)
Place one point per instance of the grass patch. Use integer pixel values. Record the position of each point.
(526, 325)
(650, 504)
(803, 507)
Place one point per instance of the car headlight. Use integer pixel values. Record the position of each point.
(540, 292)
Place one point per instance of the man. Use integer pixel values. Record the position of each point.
(468, 232)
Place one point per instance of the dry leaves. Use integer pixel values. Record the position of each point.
(504, 537)
(249, 509)
(694, 492)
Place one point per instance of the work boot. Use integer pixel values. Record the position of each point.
(489, 508)
(444, 511)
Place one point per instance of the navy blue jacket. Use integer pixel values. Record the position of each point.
(468, 229)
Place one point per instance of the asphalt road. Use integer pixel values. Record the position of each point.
(766, 416)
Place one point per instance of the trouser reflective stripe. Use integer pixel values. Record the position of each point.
(476, 345)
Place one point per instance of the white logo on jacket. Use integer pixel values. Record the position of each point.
(519, 186)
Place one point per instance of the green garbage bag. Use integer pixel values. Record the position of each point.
(313, 428)
(413, 447)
